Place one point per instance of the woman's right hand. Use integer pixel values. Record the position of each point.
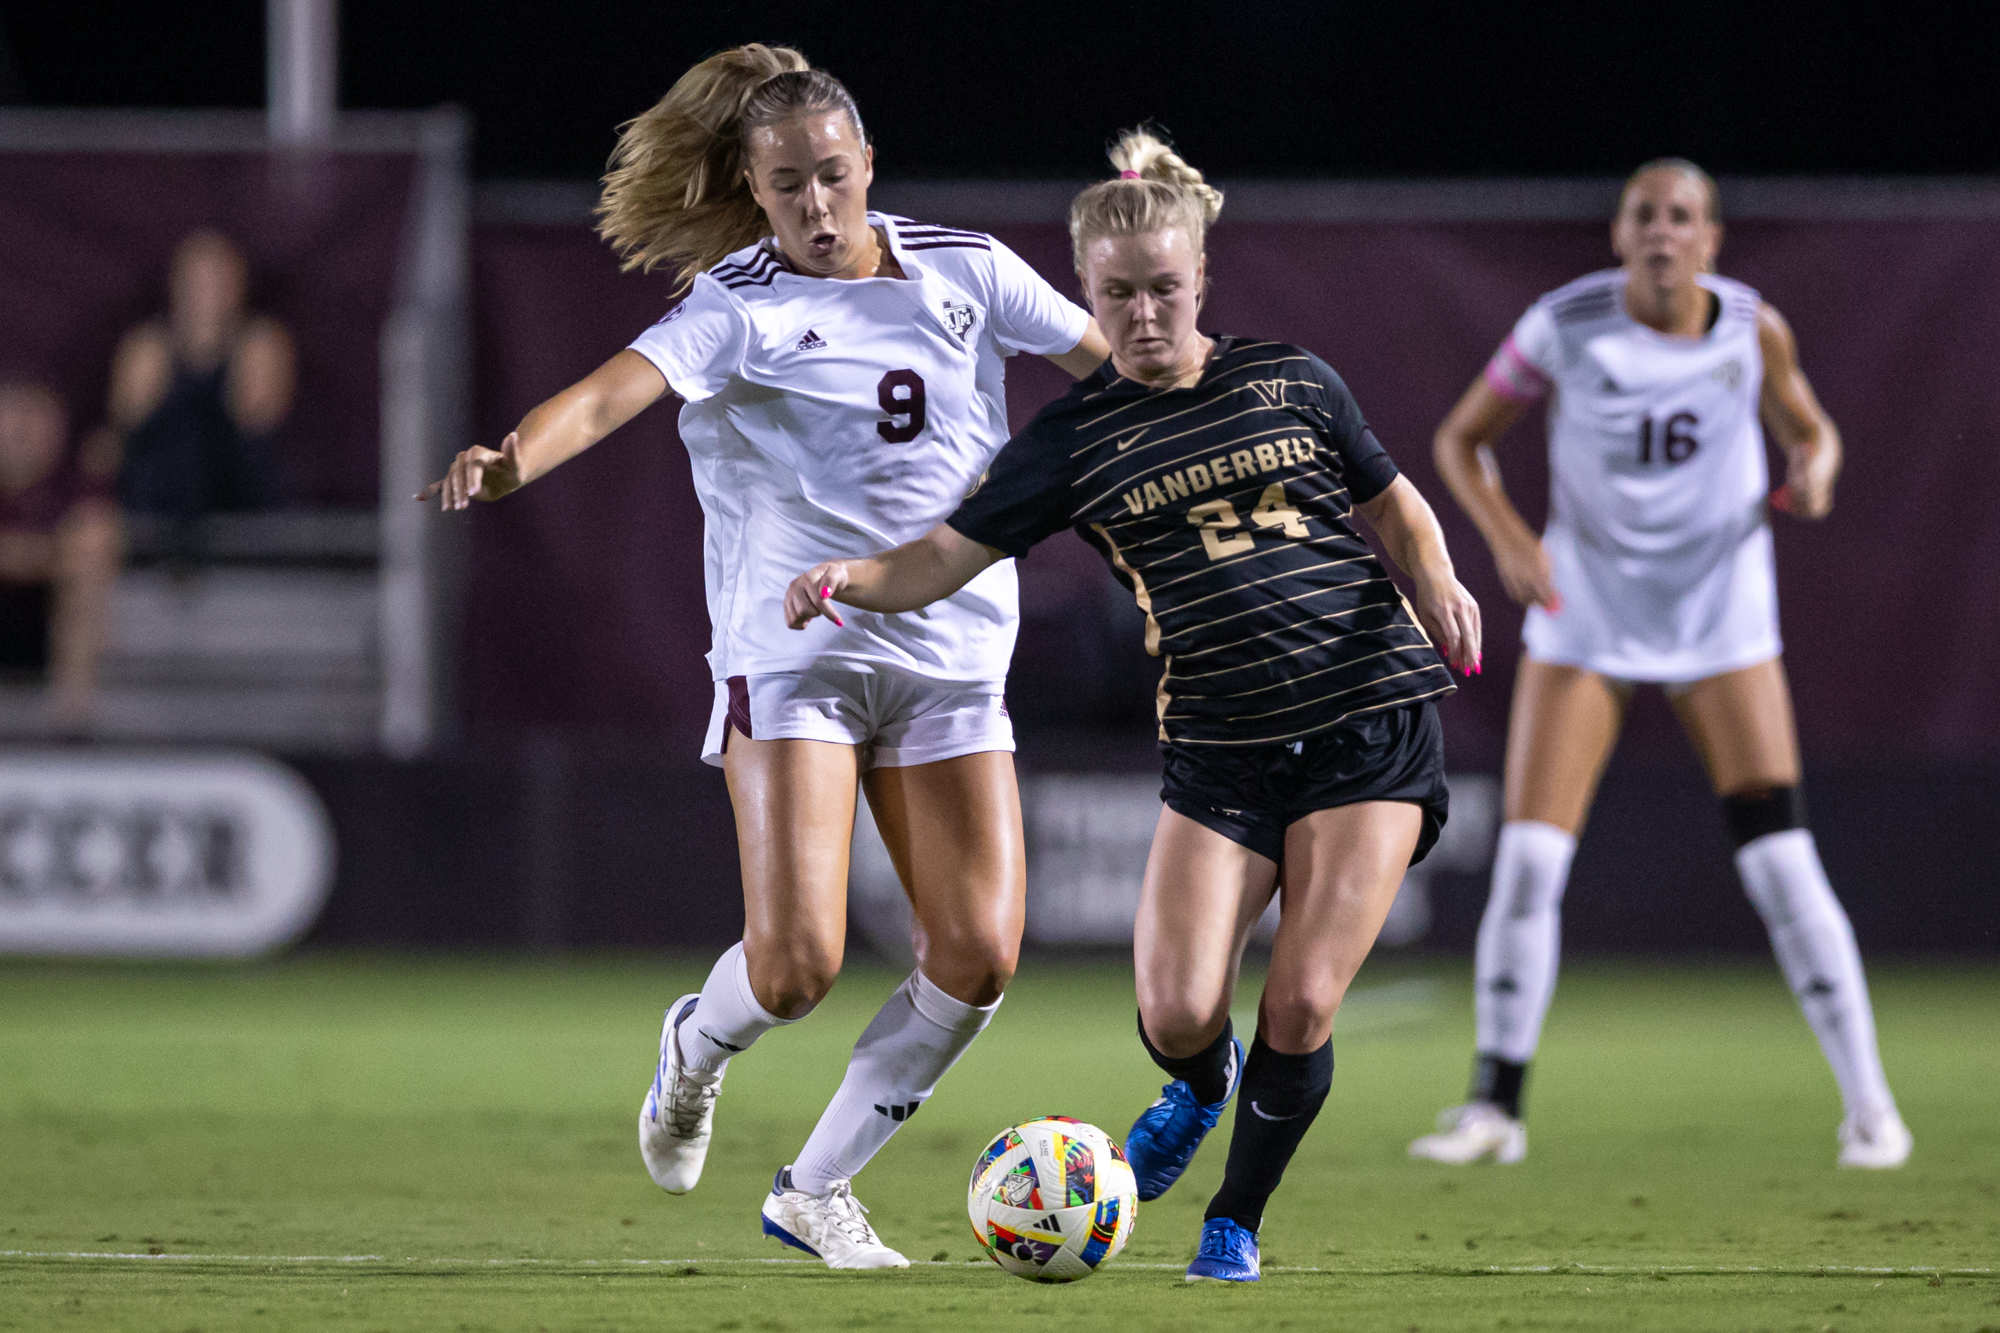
(1524, 572)
(811, 594)
(479, 473)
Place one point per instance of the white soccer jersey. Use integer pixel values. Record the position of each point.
(1658, 535)
(829, 419)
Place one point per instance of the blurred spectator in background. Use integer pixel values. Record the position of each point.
(197, 394)
(59, 549)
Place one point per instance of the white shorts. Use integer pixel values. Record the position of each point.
(898, 720)
(1649, 621)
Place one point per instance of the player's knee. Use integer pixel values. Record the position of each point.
(1299, 1019)
(1180, 1021)
(792, 979)
(987, 971)
(975, 967)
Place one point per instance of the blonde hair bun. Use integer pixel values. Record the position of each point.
(1154, 159)
(1154, 190)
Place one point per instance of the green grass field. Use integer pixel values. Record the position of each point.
(412, 1143)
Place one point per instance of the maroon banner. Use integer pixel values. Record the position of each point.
(85, 240)
(586, 606)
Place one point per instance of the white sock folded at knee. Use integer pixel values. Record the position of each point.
(728, 1017)
(910, 1044)
(1814, 942)
(1520, 937)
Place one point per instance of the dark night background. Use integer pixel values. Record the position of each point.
(1262, 89)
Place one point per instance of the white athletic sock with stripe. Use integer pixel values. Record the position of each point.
(1814, 942)
(1520, 938)
(903, 1052)
(728, 1017)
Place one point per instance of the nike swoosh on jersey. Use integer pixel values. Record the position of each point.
(1262, 1114)
(1123, 445)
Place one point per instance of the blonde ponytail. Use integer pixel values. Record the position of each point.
(1155, 189)
(675, 192)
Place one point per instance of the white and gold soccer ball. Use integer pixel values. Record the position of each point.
(1052, 1199)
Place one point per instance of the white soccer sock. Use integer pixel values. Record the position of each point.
(1520, 938)
(903, 1052)
(1815, 947)
(728, 1017)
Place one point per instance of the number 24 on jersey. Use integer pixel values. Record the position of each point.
(1217, 518)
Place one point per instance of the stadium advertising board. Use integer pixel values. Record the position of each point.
(169, 854)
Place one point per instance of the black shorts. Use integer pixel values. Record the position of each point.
(1251, 795)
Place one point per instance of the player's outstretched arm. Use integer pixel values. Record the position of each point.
(913, 575)
(1408, 528)
(1463, 452)
(553, 433)
(1089, 353)
(1792, 414)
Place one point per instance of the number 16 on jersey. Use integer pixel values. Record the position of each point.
(1676, 438)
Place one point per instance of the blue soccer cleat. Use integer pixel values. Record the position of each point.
(1228, 1254)
(1163, 1139)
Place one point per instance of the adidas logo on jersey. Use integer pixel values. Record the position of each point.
(812, 342)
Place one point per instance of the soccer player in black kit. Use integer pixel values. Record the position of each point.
(1302, 753)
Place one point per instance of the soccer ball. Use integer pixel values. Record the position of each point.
(1052, 1199)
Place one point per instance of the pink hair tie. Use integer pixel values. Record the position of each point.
(1128, 175)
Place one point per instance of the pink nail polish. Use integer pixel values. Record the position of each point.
(826, 592)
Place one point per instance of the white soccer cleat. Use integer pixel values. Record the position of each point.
(1875, 1141)
(679, 1111)
(1468, 1133)
(829, 1226)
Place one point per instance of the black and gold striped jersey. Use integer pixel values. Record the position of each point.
(1226, 508)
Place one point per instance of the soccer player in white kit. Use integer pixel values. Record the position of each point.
(842, 379)
(1656, 567)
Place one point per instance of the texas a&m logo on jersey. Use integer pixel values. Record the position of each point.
(959, 317)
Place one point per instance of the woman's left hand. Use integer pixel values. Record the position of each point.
(1450, 616)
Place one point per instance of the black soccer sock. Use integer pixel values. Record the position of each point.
(1206, 1072)
(1498, 1081)
(1760, 814)
(1281, 1097)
